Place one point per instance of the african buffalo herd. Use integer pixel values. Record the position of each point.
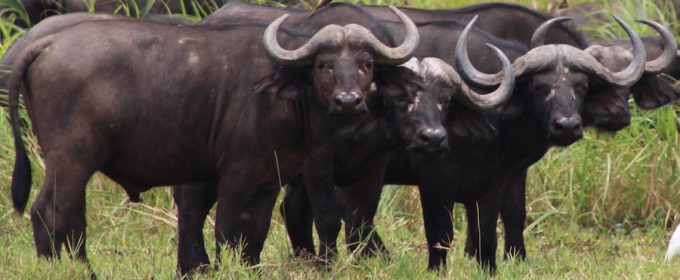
(331, 104)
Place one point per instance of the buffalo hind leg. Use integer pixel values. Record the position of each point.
(237, 203)
(258, 220)
(58, 214)
(193, 203)
(296, 211)
(513, 215)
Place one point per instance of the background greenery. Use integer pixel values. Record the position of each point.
(602, 208)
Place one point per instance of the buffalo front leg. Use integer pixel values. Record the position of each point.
(437, 204)
(193, 204)
(482, 220)
(320, 181)
(58, 214)
(513, 215)
(296, 211)
(360, 203)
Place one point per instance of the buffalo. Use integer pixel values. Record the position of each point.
(149, 104)
(557, 87)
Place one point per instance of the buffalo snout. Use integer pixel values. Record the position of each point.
(348, 102)
(566, 130)
(432, 139)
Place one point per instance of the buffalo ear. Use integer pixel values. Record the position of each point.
(652, 92)
(282, 84)
(606, 108)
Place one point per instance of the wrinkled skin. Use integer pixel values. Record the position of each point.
(217, 130)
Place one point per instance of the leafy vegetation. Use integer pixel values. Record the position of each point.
(601, 208)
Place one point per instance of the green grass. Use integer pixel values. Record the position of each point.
(599, 209)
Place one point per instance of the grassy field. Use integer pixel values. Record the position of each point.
(602, 208)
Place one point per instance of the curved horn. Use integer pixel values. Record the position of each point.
(538, 38)
(385, 54)
(469, 96)
(462, 61)
(635, 69)
(670, 48)
(301, 55)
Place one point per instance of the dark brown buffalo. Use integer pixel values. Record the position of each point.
(148, 104)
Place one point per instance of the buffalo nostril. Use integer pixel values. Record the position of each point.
(348, 100)
(433, 136)
(571, 124)
(356, 98)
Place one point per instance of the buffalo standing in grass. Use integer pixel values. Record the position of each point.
(149, 105)
(557, 86)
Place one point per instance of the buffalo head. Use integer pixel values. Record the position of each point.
(418, 95)
(343, 60)
(556, 80)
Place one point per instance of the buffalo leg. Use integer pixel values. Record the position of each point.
(328, 218)
(297, 215)
(258, 221)
(437, 204)
(482, 227)
(238, 202)
(320, 182)
(361, 203)
(193, 203)
(513, 215)
(58, 214)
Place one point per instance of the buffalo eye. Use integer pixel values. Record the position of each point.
(581, 88)
(325, 66)
(369, 65)
(541, 89)
(402, 100)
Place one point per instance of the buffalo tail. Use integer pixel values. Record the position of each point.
(21, 178)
